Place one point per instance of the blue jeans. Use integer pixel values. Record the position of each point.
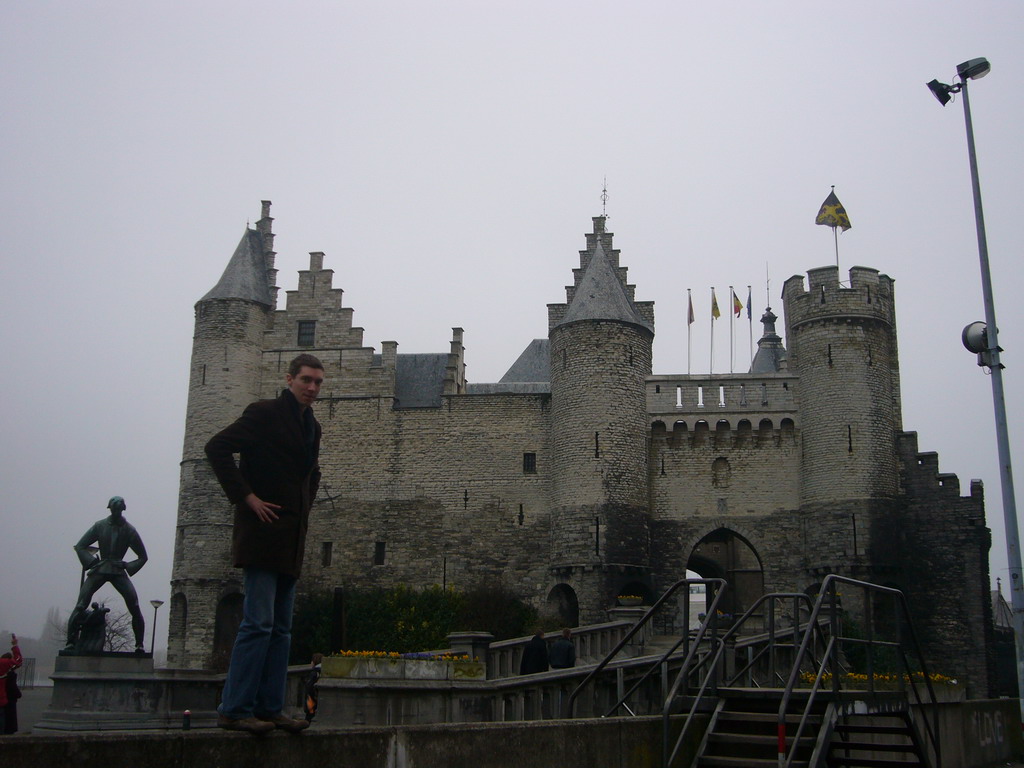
(256, 679)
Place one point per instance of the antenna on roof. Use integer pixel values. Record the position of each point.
(604, 198)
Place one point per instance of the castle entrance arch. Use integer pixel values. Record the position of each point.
(562, 602)
(724, 554)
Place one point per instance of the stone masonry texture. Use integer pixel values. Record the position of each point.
(607, 477)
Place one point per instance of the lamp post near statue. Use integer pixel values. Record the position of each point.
(156, 605)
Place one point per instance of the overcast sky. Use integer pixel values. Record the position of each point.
(448, 156)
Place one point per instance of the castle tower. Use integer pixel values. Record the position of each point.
(842, 343)
(600, 353)
(230, 322)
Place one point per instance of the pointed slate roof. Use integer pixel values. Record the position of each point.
(533, 365)
(770, 353)
(245, 276)
(601, 295)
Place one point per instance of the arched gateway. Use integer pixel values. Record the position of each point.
(725, 554)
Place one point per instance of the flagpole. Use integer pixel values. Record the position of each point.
(732, 329)
(711, 364)
(689, 329)
(835, 234)
(750, 325)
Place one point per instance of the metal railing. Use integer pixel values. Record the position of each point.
(770, 642)
(830, 663)
(688, 643)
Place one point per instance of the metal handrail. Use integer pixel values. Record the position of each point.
(828, 590)
(718, 584)
(713, 662)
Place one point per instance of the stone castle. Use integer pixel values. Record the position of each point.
(581, 475)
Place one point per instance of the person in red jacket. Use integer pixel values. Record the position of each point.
(6, 665)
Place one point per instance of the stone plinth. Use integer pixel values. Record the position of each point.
(122, 691)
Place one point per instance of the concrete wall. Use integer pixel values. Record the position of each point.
(975, 734)
(605, 743)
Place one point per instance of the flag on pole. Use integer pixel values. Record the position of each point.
(689, 316)
(832, 213)
(748, 302)
(737, 305)
(715, 314)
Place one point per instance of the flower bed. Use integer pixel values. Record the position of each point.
(377, 665)
(946, 688)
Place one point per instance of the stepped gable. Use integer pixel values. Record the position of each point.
(771, 354)
(601, 295)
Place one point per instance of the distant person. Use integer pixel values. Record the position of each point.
(535, 655)
(563, 652)
(310, 691)
(272, 487)
(115, 536)
(8, 663)
(13, 694)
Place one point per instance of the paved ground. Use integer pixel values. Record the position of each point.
(31, 706)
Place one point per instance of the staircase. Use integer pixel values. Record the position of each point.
(889, 739)
(743, 732)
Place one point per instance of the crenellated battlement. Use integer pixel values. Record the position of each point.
(867, 296)
(921, 475)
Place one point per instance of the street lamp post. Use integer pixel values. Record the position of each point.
(152, 643)
(985, 342)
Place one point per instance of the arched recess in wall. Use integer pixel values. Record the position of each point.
(562, 602)
(680, 433)
(229, 617)
(724, 554)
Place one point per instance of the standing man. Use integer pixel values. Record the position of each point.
(115, 536)
(563, 652)
(272, 487)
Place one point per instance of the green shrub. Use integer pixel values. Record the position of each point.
(406, 620)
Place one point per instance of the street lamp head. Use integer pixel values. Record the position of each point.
(156, 603)
(942, 92)
(973, 69)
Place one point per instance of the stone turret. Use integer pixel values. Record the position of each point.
(230, 323)
(600, 356)
(842, 343)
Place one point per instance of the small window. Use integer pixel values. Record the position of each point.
(378, 553)
(326, 551)
(307, 333)
(530, 463)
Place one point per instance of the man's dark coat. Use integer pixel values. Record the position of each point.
(276, 465)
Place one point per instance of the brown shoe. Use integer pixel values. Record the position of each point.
(247, 724)
(284, 722)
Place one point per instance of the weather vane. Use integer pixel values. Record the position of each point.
(604, 198)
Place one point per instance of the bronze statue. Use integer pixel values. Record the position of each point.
(115, 536)
(93, 632)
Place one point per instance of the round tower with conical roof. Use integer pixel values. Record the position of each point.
(600, 347)
(227, 346)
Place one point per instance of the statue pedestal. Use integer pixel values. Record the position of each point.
(122, 691)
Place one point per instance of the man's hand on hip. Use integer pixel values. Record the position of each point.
(264, 510)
